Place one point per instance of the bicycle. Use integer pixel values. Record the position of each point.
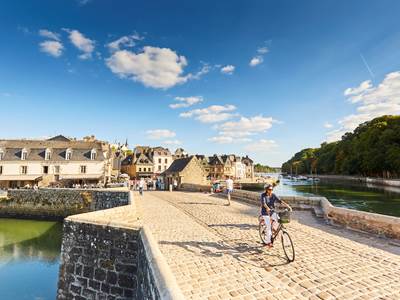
(286, 240)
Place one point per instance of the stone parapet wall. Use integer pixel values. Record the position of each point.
(109, 255)
(59, 203)
(369, 222)
(191, 187)
(377, 181)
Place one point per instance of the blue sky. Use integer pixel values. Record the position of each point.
(264, 78)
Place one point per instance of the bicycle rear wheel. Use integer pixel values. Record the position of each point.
(287, 245)
(261, 231)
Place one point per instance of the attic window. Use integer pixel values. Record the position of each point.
(68, 154)
(93, 154)
(24, 154)
(47, 155)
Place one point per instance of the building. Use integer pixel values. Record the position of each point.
(216, 167)
(249, 167)
(147, 162)
(205, 162)
(162, 159)
(137, 165)
(58, 160)
(180, 153)
(239, 168)
(185, 170)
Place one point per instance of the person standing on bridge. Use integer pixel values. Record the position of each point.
(268, 200)
(229, 189)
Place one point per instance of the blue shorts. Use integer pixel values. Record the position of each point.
(229, 191)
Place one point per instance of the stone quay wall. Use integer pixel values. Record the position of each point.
(377, 181)
(59, 203)
(369, 222)
(109, 255)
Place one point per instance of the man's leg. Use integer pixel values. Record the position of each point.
(229, 197)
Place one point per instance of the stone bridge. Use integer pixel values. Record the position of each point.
(214, 252)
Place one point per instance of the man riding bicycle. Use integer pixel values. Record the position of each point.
(268, 200)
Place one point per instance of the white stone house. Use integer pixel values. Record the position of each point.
(162, 159)
(239, 167)
(56, 160)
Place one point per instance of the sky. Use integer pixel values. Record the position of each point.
(263, 78)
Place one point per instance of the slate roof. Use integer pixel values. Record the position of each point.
(58, 146)
(178, 165)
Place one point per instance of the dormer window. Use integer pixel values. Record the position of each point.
(47, 154)
(68, 154)
(24, 154)
(93, 154)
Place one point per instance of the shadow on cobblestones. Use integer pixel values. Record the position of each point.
(236, 226)
(255, 255)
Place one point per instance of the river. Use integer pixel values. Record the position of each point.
(29, 259)
(360, 196)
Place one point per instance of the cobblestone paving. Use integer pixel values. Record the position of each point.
(215, 253)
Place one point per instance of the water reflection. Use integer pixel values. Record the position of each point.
(29, 259)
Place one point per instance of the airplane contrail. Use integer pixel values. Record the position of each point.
(367, 66)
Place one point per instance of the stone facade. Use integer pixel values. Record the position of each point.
(108, 254)
(59, 203)
(98, 262)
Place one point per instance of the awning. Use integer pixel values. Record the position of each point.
(81, 176)
(20, 177)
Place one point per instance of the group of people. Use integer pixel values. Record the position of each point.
(142, 184)
(268, 201)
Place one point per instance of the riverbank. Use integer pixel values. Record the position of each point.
(372, 180)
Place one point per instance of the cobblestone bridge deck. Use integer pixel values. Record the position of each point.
(214, 252)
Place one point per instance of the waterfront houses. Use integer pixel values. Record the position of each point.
(146, 162)
(57, 161)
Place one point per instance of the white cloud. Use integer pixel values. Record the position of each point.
(125, 41)
(81, 42)
(256, 61)
(172, 142)
(263, 50)
(247, 126)
(229, 69)
(53, 48)
(328, 125)
(5, 94)
(383, 99)
(262, 145)
(222, 139)
(154, 67)
(49, 34)
(211, 114)
(186, 101)
(158, 134)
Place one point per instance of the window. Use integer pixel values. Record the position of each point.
(93, 154)
(24, 170)
(1, 170)
(56, 169)
(24, 154)
(140, 169)
(166, 160)
(165, 167)
(47, 154)
(144, 169)
(159, 168)
(83, 169)
(68, 154)
(159, 160)
(45, 169)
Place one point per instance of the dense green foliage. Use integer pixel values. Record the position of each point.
(373, 149)
(258, 168)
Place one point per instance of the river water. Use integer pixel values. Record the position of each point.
(29, 259)
(360, 196)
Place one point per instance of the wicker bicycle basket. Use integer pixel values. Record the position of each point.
(284, 216)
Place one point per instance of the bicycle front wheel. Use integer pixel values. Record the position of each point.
(287, 245)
